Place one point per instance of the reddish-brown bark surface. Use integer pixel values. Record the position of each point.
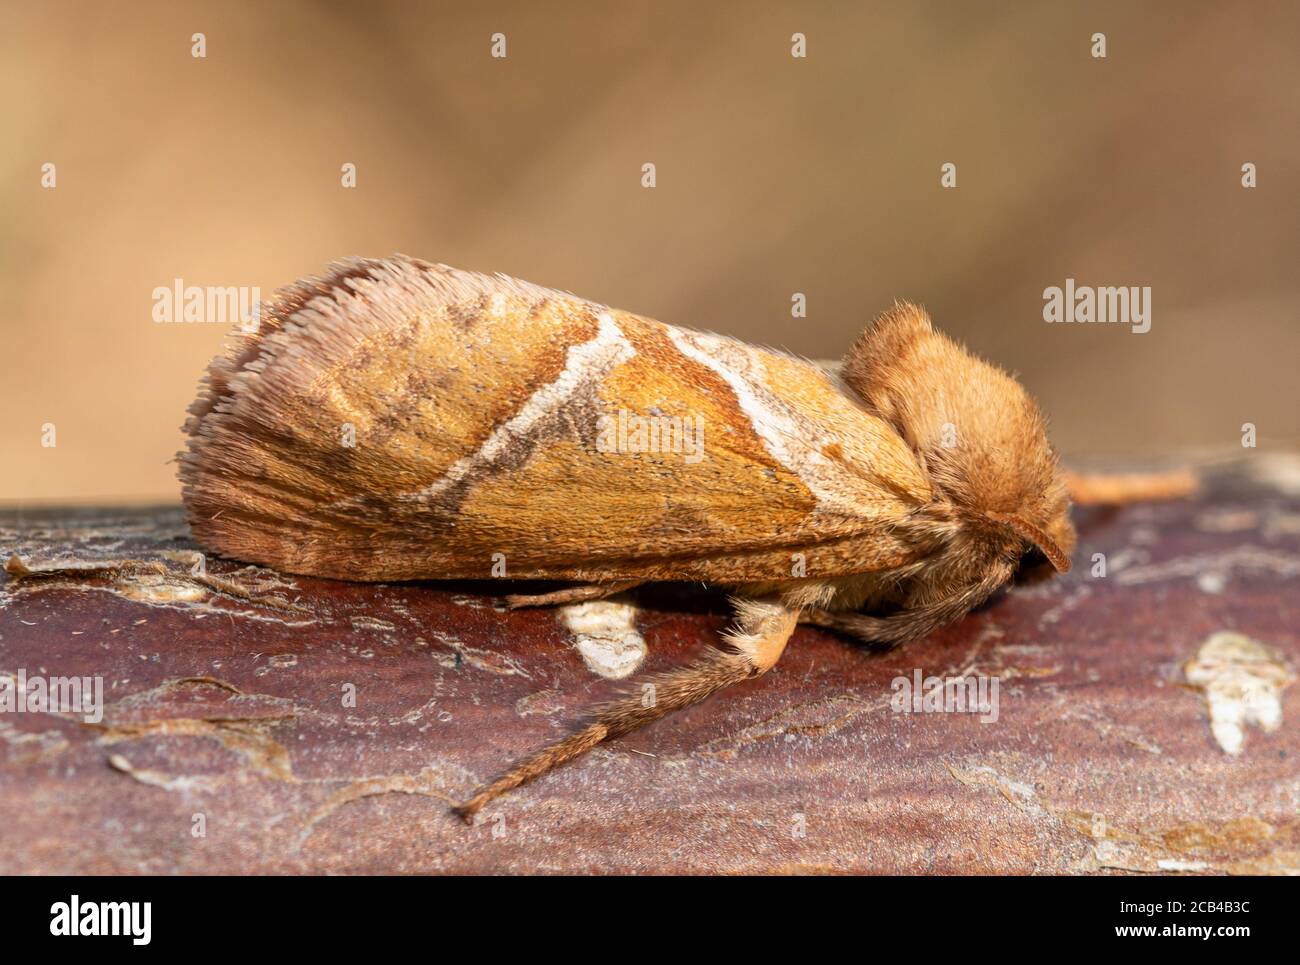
(229, 717)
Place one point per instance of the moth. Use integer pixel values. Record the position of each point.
(399, 420)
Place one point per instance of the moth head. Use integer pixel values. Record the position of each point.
(980, 437)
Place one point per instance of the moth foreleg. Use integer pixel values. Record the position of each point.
(913, 622)
(1116, 489)
(751, 649)
(571, 594)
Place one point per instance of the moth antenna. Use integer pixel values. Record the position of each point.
(1036, 536)
(751, 650)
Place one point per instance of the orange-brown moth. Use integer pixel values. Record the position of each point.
(883, 501)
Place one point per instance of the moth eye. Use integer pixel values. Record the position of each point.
(1031, 559)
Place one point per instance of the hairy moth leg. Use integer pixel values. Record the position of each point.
(916, 622)
(571, 594)
(749, 650)
(1114, 489)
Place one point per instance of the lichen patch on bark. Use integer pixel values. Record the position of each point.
(1242, 681)
(605, 634)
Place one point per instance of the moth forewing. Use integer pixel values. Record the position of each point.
(463, 391)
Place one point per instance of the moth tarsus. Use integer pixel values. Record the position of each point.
(400, 420)
(572, 594)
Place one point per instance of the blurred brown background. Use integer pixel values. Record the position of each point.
(775, 175)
